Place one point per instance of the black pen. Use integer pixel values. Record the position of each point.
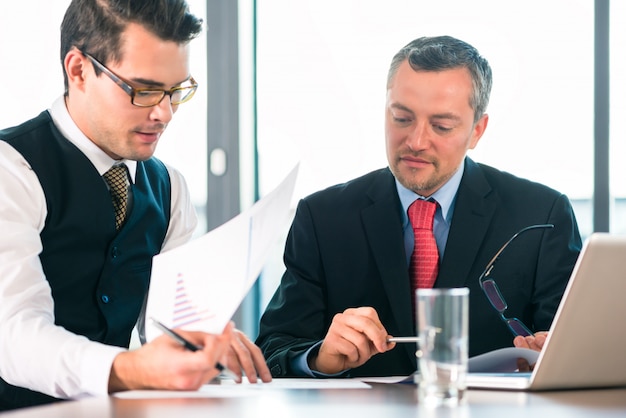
(191, 347)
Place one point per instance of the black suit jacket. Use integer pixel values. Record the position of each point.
(345, 249)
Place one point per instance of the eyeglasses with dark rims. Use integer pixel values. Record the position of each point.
(491, 290)
(147, 97)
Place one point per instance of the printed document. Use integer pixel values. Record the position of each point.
(199, 285)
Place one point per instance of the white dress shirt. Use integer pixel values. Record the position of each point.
(34, 352)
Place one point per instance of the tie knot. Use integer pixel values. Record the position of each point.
(116, 176)
(422, 214)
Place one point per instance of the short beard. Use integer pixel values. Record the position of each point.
(423, 188)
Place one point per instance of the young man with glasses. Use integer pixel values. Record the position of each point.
(77, 245)
(346, 288)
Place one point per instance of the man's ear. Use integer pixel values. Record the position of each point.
(75, 64)
(479, 130)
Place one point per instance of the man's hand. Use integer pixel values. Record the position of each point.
(352, 339)
(244, 356)
(166, 364)
(534, 342)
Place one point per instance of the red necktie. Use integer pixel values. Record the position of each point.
(425, 258)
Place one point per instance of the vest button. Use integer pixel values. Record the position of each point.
(104, 298)
(114, 252)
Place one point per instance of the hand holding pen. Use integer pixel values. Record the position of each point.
(192, 347)
(354, 336)
(161, 364)
(243, 353)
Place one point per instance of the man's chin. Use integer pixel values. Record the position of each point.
(414, 182)
(417, 187)
(143, 154)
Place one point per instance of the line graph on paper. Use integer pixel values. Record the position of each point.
(186, 312)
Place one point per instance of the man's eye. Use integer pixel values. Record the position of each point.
(402, 121)
(147, 93)
(441, 128)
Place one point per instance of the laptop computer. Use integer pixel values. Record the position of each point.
(586, 346)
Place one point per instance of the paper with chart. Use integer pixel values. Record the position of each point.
(200, 285)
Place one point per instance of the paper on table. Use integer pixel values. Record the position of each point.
(199, 285)
(503, 360)
(389, 379)
(229, 388)
(296, 383)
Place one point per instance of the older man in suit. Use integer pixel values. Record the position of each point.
(346, 288)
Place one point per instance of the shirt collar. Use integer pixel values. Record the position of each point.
(445, 195)
(101, 161)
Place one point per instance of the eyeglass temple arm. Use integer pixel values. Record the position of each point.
(492, 263)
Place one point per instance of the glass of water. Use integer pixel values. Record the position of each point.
(442, 325)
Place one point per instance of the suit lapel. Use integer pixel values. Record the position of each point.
(473, 211)
(383, 226)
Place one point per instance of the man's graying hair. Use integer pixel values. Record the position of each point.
(444, 53)
(95, 26)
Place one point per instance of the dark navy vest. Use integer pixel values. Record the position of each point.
(99, 277)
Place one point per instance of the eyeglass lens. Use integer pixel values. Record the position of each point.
(517, 327)
(497, 301)
(149, 98)
(494, 295)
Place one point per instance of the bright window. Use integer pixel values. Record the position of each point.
(31, 64)
(617, 130)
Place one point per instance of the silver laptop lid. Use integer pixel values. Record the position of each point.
(586, 344)
(587, 340)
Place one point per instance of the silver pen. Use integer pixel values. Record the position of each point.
(403, 340)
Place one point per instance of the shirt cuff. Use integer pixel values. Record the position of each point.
(96, 368)
(300, 364)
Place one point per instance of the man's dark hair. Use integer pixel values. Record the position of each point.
(95, 26)
(444, 53)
